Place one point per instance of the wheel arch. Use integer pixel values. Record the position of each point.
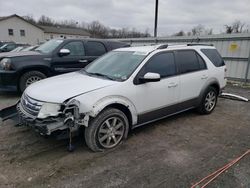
(118, 102)
(43, 69)
(210, 83)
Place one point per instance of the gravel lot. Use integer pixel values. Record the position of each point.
(175, 152)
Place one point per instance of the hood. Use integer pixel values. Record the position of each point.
(18, 54)
(60, 88)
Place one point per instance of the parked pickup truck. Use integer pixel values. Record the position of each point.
(54, 57)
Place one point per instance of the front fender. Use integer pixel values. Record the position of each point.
(109, 100)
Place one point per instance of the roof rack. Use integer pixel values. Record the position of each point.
(199, 44)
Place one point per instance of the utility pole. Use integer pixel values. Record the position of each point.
(156, 18)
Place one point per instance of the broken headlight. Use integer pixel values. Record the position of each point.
(49, 109)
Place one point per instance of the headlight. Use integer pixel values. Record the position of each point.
(49, 109)
(5, 64)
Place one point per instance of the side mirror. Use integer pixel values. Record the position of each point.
(151, 77)
(64, 52)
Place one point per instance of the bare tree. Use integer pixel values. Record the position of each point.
(209, 31)
(198, 30)
(44, 20)
(236, 27)
(68, 23)
(180, 33)
(30, 19)
(97, 29)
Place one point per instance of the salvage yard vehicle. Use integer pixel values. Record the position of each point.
(51, 58)
(9, 46)
(124, 89)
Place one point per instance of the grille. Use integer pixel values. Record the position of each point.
(31, 106)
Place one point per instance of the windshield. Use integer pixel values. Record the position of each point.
(30, 48)
(3, 46)
(49, 46)
(116, 65)
(17, 49)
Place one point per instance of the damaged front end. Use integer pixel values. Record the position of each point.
(46, 118)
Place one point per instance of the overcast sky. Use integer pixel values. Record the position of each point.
(174, 15)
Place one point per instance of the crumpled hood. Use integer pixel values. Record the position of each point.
(60, 88)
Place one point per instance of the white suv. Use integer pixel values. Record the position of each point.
(124, 89)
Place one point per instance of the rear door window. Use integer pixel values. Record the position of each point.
(94, 48)
(162, 64)
(187, 61)
(214, 56)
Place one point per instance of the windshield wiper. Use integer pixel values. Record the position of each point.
(100, 74)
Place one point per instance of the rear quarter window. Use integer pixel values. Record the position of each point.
(214, 56)
(94, 48)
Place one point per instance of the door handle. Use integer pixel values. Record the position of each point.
(83, 61)
(172, 85)
(204, 77)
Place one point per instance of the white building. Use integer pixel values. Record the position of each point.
(59, 32)
(15, 28)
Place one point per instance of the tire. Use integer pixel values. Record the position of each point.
(209, 101)
(30, 77)
(107, 130)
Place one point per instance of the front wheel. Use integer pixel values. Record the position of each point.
(29, 78)
(209, 101)
(107, 130)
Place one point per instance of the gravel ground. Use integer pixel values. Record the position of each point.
(174, 152)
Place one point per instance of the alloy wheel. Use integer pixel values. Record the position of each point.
(210, 101)
(111, 132)
(32, 80)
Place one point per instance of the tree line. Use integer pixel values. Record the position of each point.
(235, 27)
(99, 30)
(95, 28)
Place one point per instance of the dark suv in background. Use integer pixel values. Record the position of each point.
(54, 57)
(9, 46)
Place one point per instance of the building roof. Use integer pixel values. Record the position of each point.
(14, 15)
(64, 30)
(52, 29)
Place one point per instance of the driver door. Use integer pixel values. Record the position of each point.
(156, 99)
(71, 62)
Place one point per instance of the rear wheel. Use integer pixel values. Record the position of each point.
(29, 78)
(209, 101)
(107, 130)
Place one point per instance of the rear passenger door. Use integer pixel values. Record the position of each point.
(193, 73)
(94, 49)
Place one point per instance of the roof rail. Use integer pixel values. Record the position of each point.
(199, 44)
(163, 46)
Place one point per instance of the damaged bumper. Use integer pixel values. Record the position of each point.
(43, 126)
(27, 110)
